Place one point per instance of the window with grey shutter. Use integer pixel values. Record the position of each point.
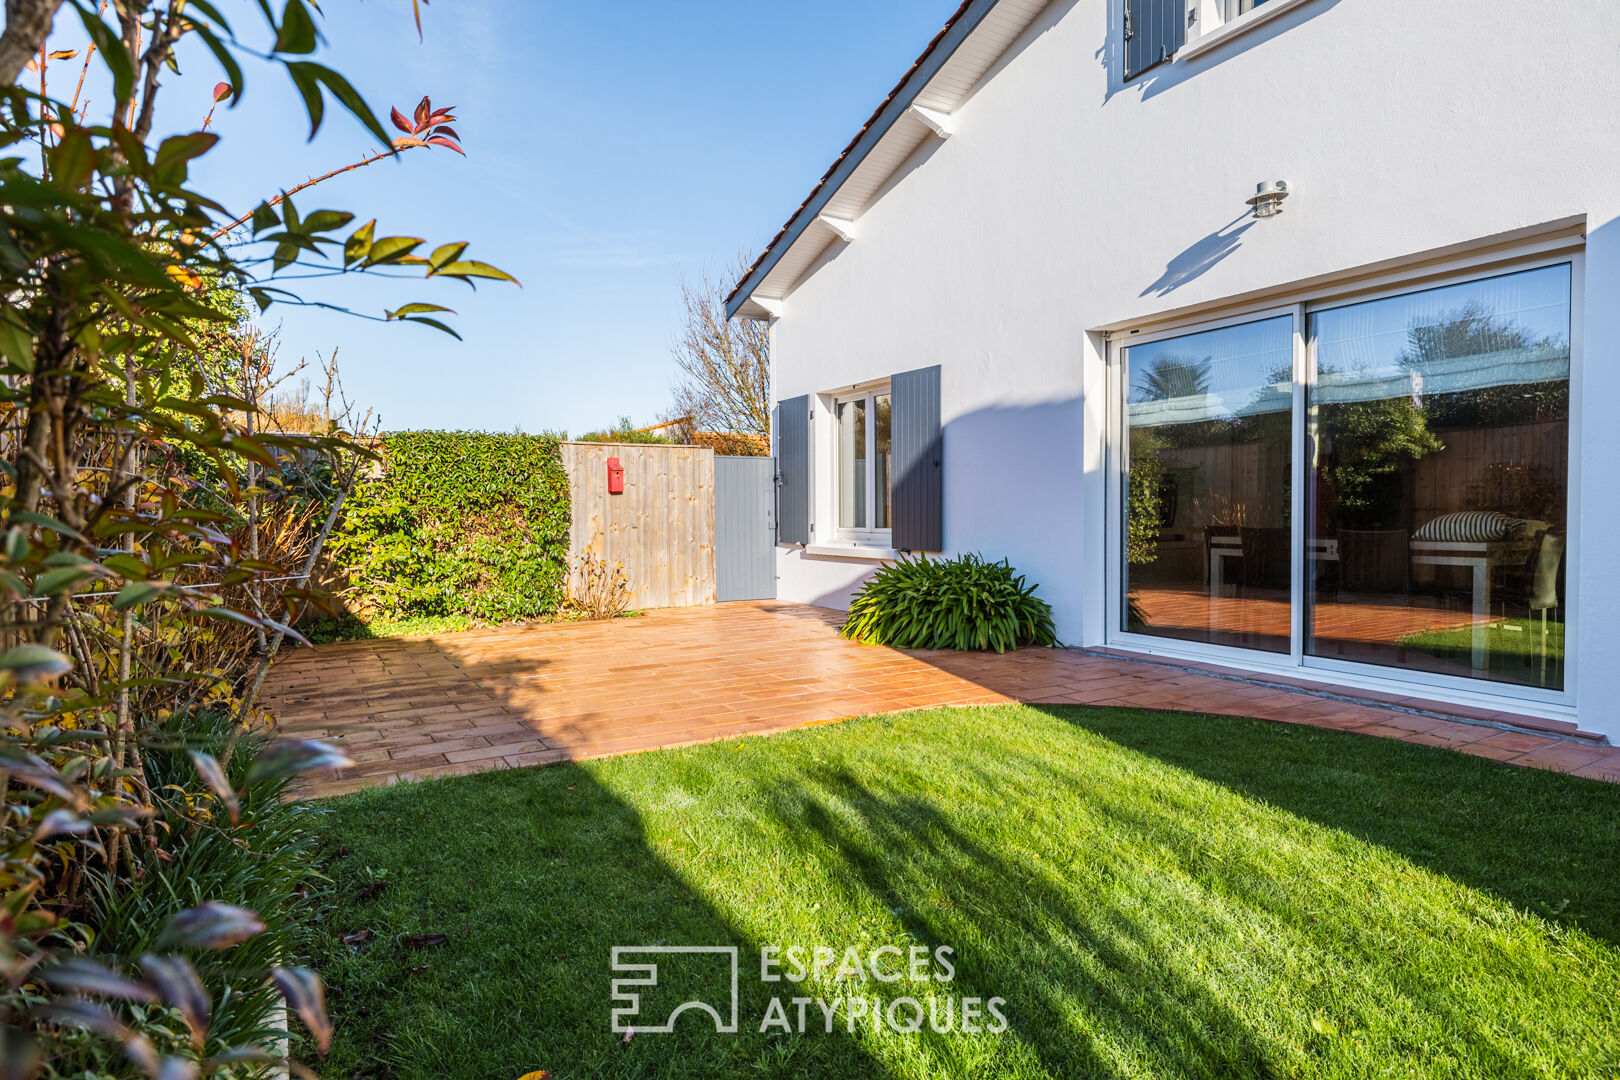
(793, 470)
(1154, 30)
(918, 445)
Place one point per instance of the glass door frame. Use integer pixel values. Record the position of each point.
(1296, 662)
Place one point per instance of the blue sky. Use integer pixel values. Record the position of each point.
(613, 147)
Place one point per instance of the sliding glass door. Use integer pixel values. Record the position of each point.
(1439, 479)
(1430, 433)
(1209, 451)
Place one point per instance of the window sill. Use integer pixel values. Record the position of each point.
(1242, 24)
(847, 550)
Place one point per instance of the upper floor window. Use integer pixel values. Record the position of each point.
(1154, 30)
(1234, 8)
(1160, 30)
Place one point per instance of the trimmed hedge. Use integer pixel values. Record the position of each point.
(460, 523)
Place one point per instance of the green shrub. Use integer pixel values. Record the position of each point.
(460, 523)
(964, 603)
(624, 433)
(268, 865)
(333, 628)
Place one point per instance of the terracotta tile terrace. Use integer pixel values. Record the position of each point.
(520, 696)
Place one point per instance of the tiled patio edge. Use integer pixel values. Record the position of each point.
(1498, 719)
(519, 696)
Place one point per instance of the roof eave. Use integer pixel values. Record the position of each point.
(957, 30)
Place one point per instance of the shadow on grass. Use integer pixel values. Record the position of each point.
(532, 892)
(1251, 929)
(1547, 843)
(1020, 936)
(1152, 894)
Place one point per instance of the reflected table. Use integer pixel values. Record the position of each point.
(1475, 556)
(1230, 546)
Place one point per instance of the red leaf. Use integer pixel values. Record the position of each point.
(304, 993)
(210, 925)
(400, 122)
(91, 979)
(424, 109)
(214, 776)
(448, 133)
(449, 143)
(294, 757)
(222, 91)
(441, 116)
(174, 978)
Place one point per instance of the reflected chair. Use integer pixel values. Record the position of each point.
(1544, 587)
(1375, 561)
(1267, 558)
(1222, 543)
(1535, 588)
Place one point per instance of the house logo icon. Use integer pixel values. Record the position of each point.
(640, 964)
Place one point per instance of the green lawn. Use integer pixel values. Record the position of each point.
(329, 629)
(1513, 648)
(326, 630)
(1153, 895)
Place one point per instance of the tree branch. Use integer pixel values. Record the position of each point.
(28, 24)
(311, 182)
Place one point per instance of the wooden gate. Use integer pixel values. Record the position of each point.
(660, 530)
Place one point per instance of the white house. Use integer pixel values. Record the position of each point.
(1279, 334)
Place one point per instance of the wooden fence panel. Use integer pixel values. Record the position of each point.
(661, 529)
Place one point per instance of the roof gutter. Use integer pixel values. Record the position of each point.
(958, 30)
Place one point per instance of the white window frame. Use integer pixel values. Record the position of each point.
(870, 536)
(1295, 664)
(1209, 24)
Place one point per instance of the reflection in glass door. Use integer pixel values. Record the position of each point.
(1438, 495)
(1207, 486)
(1434, 457)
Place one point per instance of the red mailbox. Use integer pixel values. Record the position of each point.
(615, 477)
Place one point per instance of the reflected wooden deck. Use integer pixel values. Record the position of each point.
(1266, 614)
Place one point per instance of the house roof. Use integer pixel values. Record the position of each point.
(918, 109)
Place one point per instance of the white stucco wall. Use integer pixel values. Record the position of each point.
(1067, 201)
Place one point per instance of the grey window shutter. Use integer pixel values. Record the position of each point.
(1154, 30)
(793, 470)
(918, 467)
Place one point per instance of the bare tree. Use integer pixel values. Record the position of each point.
(724, 380)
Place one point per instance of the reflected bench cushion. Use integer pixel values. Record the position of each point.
(1471, 527)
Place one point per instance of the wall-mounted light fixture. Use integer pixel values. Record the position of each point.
(1268, 198)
